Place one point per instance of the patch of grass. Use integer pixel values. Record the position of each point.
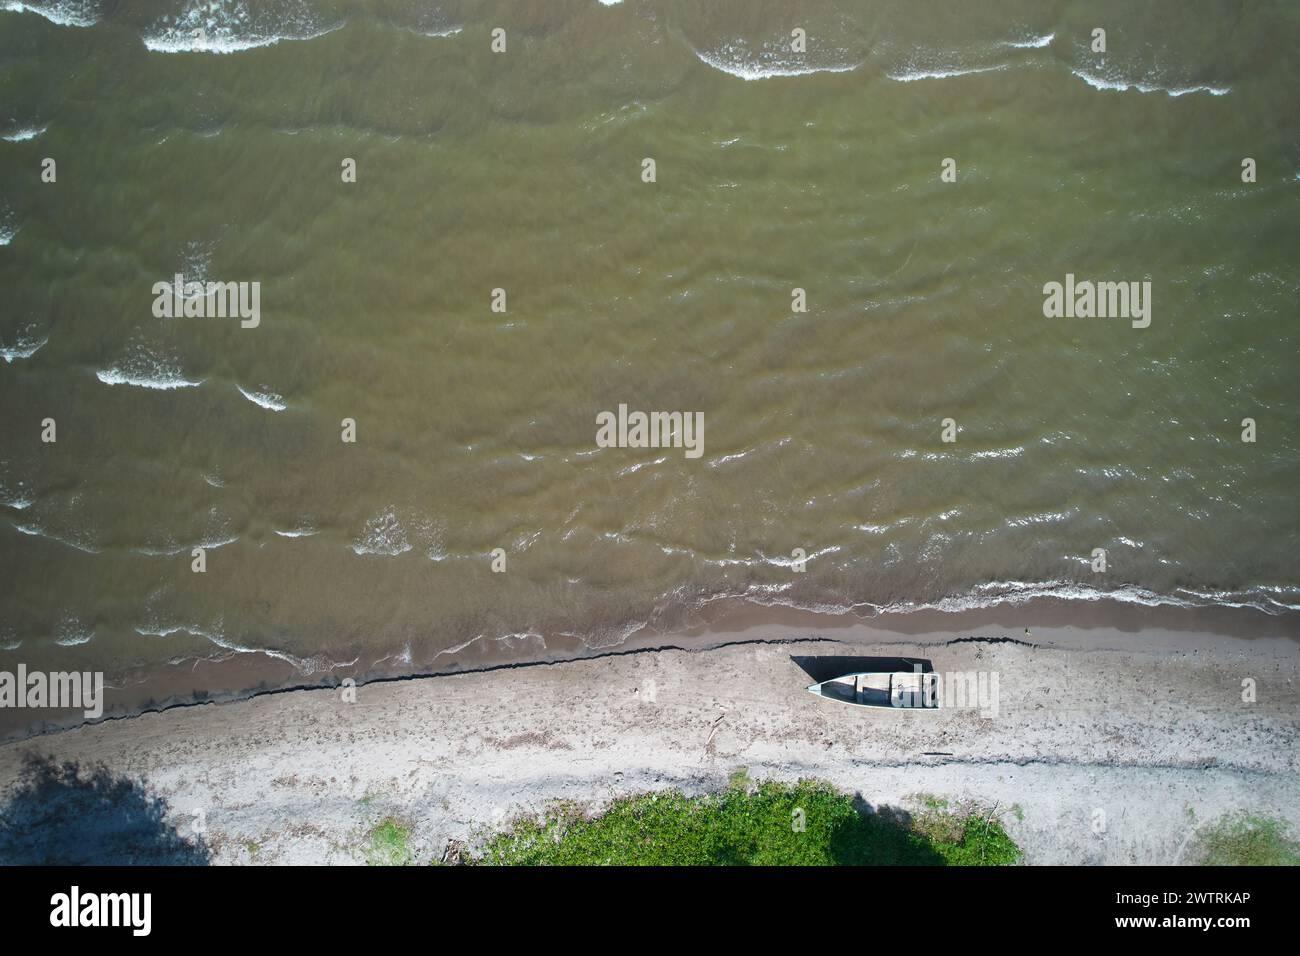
(935, 823)
(966, 835)
(739, 780)
(982, 841)
(1243, 839)
(387, 845)
(930, 801)
(767, 824)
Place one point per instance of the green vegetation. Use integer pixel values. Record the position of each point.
(807, 824)
(388, 845)
(1243, 839)
(968, 836)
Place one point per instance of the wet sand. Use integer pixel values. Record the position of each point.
(1149, 734)
(1077, 624)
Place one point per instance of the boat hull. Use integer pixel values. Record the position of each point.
(898, 690)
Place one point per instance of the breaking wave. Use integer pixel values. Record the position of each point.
(383, 534)
(35, 531)
(232, 26)
(145, 369)
(265, 399)
(303, 532)
(1270, 599)
(8, 226)
(215, 635)
(73, 633)
(738, 59)
(26, 344)
(1098, 82)
(66, 13)
(912, 76)
(1032, 43)
(23, 134)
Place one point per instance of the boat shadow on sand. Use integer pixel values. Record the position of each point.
(828, 668)
(64, 814)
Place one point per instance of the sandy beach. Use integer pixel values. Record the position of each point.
(1097, 752)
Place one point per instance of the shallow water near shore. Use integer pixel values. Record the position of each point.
(219, 157)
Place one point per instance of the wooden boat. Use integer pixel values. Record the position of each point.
(902, 689)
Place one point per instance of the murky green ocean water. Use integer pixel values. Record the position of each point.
(220, 158)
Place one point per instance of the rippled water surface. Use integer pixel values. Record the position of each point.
(208, 139)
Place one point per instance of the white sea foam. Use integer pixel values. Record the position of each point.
(612, 635)
(215, 635)
(1120, 85)
(144, 368)
(303, 665)
(230, 26)
(1044, 517)
(161, 380)
(66, 13)
(1020, 592)
(1270, 600)
(304, 530)
(943, 73)
(998, 453)
(436, 32)
(512, 641)
(402, 657)
(637, 466)
(24, 134)
(17, 495)
(882, 528)
(428, 534)
(36, 531)
(208, 543)
(266, 399)
(73, 633)
(782, 561)
(383, 534)
(1184, 90)
(737, 456)
(759, 560)
(737, 59)
(25, 345)
(168, 631)
(1033, 43)
(196, 261)
(430, 22)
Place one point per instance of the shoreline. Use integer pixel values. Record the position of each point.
(1083, 624)
(1157, 738)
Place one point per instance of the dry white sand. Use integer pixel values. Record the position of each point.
(1096, 755)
